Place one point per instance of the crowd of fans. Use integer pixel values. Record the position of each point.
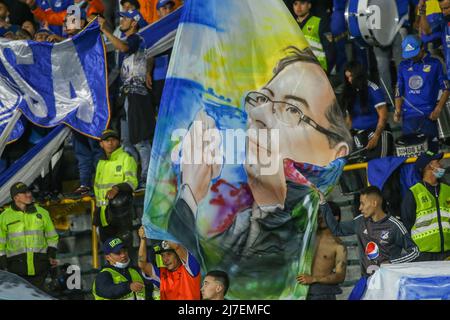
(363, 78)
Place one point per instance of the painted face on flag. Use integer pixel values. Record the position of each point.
(299, 91)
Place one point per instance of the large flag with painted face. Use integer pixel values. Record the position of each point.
(56, 83)
(247, 123)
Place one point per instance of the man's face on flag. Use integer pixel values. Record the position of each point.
(305, 88)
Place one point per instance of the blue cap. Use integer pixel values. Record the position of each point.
(162, 3)
(425, 158)
(135, 15)
(411, 46)
(113, 245)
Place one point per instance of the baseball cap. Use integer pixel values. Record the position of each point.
(113, 245)
(162, 3)
(411, 46)
(425, 158)
(135, 15)
(18, 187)
(109, 134)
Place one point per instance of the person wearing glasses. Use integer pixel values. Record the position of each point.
(300, 104)
(367, 112)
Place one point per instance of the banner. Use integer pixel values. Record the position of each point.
(248, 122)
(34, 162)
(410, 281)
(57, 83)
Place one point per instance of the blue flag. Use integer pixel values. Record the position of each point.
(56, 83)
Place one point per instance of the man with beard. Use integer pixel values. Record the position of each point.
(330, 262)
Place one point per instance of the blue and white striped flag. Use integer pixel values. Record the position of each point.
(56, 83)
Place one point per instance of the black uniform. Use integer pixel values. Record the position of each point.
(378, 242)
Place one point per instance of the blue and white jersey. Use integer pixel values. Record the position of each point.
(134, 66)
(369, 120)
(419, 84)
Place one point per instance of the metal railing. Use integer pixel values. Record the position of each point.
(364, 165)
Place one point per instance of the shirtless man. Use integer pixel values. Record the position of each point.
(329, 265)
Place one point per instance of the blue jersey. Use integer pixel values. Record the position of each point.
(369, 120)
(419, 84)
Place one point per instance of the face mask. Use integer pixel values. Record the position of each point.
(439, 172)
(121, 265)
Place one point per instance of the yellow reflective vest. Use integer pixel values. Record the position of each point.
(431, 220)
(26, 233)
(119, 168)
(311, 32)
(118, 278)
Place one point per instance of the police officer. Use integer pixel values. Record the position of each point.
(117, 280)
(28, 240)
(420, 78)
(316, 31)
(425, 209)
(115, 176)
